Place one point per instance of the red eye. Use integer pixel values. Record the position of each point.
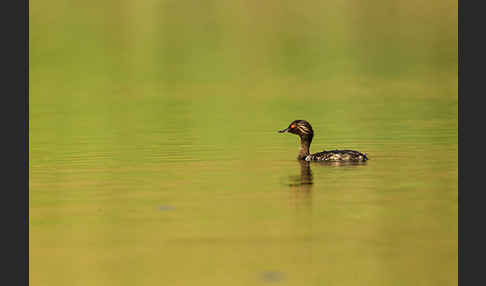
(292, 126)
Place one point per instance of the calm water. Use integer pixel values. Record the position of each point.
(147, 190)
(153, 163)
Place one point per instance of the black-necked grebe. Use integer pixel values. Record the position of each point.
(305, 132)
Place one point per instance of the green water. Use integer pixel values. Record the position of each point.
(155, 157)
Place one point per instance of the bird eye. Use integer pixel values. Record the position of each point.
(292, 126)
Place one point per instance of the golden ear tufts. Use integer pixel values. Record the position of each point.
(304, 129)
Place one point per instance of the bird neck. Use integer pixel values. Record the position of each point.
(305, 143)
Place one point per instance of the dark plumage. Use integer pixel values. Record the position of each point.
(304, 130)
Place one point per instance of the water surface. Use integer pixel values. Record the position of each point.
(147, 192)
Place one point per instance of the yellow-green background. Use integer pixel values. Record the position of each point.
(154, 156)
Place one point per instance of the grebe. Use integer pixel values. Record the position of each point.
(305, 132)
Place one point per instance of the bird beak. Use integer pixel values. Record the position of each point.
(284, 130)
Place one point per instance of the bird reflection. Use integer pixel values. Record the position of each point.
(304, 180)
(300, 199)
(301, 186)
